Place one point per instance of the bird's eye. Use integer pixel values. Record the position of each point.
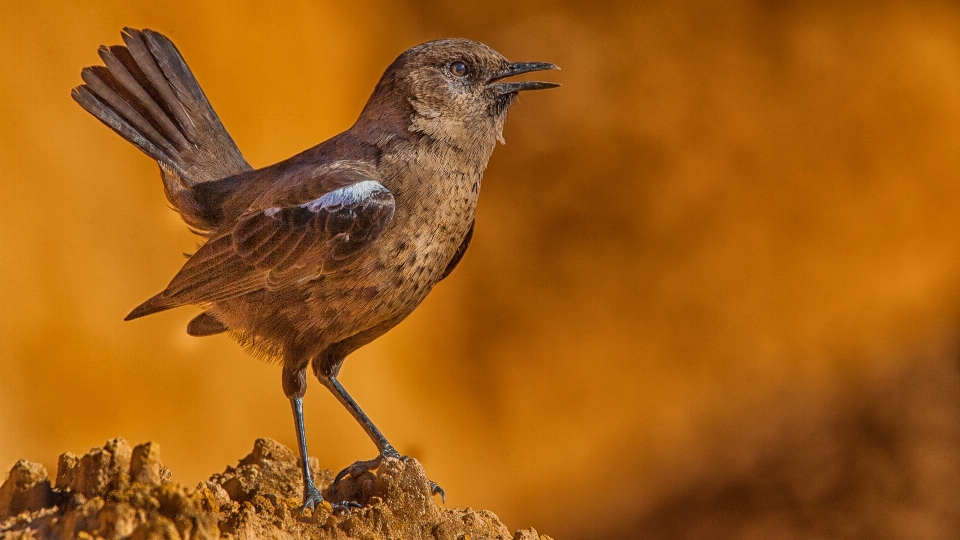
(459, 69)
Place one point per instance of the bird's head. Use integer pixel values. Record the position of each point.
(454, 90)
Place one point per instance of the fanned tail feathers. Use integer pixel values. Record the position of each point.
(146, 93)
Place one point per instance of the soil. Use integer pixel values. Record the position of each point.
(116, 491)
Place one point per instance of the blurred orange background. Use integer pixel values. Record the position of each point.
(714, 290)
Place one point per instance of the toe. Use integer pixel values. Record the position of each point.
(340, 476)
(346, 506)
(437, 490)
(311, 501)
(357, 469)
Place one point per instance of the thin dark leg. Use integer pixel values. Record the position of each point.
(386, 449)
(311, 495)
(340, 392)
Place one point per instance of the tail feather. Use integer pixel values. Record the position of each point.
(93, 104)
(148, 69)
(175, 72)
(105, 87)
(146, 93)
(122, 65)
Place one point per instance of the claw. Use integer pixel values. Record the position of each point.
(345, 506)
(340, 476)
(437, 490)
(355, 470)
(311, 500)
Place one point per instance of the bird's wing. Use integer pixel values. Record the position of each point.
(284, 238)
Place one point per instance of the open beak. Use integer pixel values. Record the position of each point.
(516, 68)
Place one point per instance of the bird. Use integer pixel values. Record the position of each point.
(307, 260)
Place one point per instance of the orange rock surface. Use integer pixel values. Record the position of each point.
(116, 491)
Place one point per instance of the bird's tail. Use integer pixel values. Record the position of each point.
(146, 93)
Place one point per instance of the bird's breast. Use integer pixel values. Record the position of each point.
(435, 207)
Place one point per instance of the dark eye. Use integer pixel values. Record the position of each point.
(459, 69)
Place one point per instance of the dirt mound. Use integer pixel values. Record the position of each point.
(116, 491)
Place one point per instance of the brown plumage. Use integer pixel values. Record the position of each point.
(313, 257)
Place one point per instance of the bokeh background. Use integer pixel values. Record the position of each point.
(714, 290)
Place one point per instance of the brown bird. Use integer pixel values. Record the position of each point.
(311, 258)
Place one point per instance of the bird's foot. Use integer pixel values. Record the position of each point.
(360, 468)
(357, 469)
(313, 500)
(435, 489)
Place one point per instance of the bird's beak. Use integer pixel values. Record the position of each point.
(516, 68)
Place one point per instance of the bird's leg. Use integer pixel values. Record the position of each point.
(386, 449)
(311, 495)
(294, 386)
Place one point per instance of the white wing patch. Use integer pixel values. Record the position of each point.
(346, 195)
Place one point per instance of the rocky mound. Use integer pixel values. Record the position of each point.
(116, 492)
